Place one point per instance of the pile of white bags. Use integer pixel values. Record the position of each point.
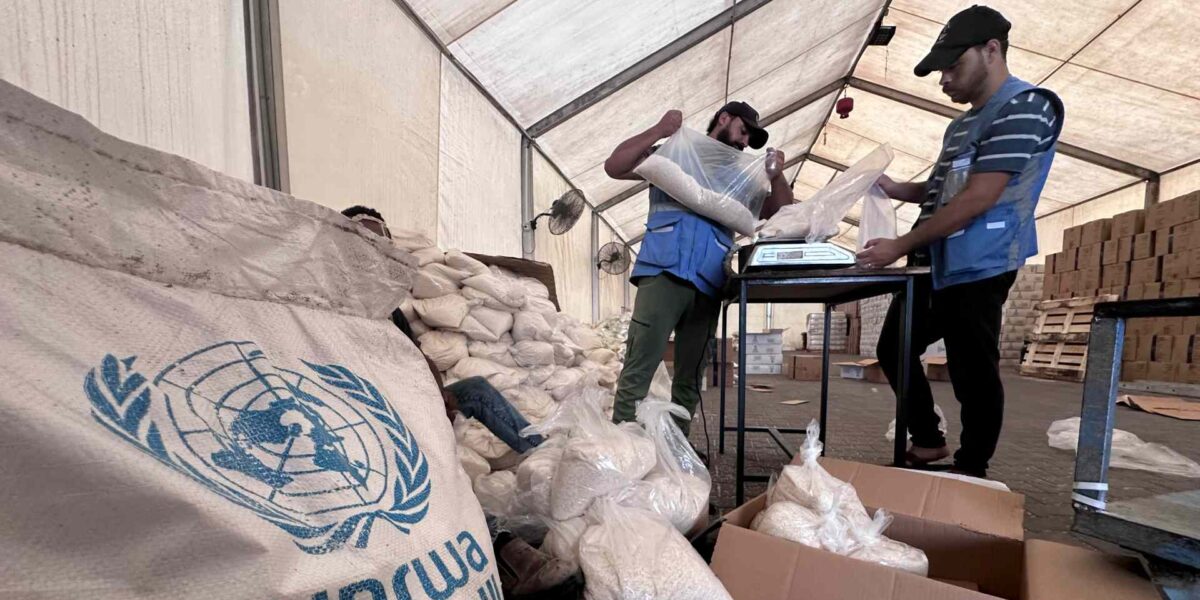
(809, 506)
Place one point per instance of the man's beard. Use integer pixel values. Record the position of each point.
(723, 137)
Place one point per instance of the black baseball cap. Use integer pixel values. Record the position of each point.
(972, 27)
(749, 116)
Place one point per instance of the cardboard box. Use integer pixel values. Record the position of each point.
(765, 359)
(1161, 351)
(1159, 371)
(1183, 237)
(1181, 349)
(1116, 275)
(1061, 572)
(1143, 245)
(1147, 270)
(1049, 285)
(1193, 263)
(1049, 263)
(1090, 257)
(773, 337)
(1162, 241)
(763, 369)
(1089, 279)
(1129, 348)
(1125, 249)
(1168, 325)
(935, 369)
(1072, 237)
(1175, 266)
(1158, 216)
(1128, 224)
(1109, 252)
(867, 369)
(1095, 232)
(1064, 262)
(1191, 326)
(969, 532)
(1172, 289)
(1151, 291)
(1186, 208)
(1135, 371)
(1067, 282)
(806, 367)
(1189, 373)
(1145, 348)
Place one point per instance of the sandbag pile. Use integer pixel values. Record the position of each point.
(809, 506)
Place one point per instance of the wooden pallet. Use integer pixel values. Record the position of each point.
(1068, 320)
(1065, 361)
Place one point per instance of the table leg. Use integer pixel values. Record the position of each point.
(723, 368)
(900, 447)
(825, 377)
(740, 492)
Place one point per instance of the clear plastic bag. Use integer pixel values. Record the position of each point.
(1128, 450)
(711, 178)
(810, 485)
(873, 546)
(536, 474)
(679, 486)
(878, 219)
(891, 431)
(816, 219)
(630, 554)
(562, 539)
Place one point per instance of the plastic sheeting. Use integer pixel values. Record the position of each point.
(173, 79)
(479, 172)
(360, 130)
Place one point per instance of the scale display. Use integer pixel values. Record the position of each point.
(797, 254)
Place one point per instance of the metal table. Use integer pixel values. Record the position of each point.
(1165, 529)
(827, 287)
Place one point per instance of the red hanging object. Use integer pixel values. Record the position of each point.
(844, 106)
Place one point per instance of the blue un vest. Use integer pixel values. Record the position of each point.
(1001, 239)
(684, 244)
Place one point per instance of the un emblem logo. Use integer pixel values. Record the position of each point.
(321, 457)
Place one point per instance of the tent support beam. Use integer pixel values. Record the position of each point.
(664, 55)
(268, 131)
(527, 233)
(595, 267)
(1071, 150)
(1152, 188)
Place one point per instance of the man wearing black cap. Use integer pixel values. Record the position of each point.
(976, 228)
(681, 267)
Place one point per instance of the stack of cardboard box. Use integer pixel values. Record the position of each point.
(764, 353)
(853, 326)
(839, 326)
(1136, 255)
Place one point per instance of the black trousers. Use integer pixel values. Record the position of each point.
(968, 317)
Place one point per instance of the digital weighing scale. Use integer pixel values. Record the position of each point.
(793, 254)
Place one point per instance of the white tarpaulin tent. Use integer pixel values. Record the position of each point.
(463, 118)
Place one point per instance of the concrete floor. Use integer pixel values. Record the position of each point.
(858, 418)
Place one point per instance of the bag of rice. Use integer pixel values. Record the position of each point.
(430, 284)
(458, 260)
(474, 464)
(790, 521)
(629, 554)
(874, 547)
(679, 486)
(432, 254)
(535, 288)
(810, 485)
(532, 353)
(599, 458)
(540, 305)
(584, 337)
(478, 437)
(447, 272)
(562, 538)
(530, 325)
(483, 324)
(602, 356)
(563, 383)
(409, 240)
(497, 288)
(446, 312)
(497, 352)
(497, 493)
(564, 354)
(533, 403)
(484, 299)
(444, 348)
(500, 376)
(536, 474)
(539, 375)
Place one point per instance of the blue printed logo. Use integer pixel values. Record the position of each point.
(322, 458)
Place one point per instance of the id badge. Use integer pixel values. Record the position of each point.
(956, 176)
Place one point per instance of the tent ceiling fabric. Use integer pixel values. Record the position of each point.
(1125, 69)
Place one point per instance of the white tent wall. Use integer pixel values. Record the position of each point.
(479, 172)
(1178, 183)
(793, 320)
(570, 254)
(169, 75)
(361, 96)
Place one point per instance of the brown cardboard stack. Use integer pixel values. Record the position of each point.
(1020, 313)
(839, 327)
(1143, 254)
(873, 312)
(853, 326)
(973, 536)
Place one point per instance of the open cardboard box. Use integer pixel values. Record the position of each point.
(973, 536)
(867, 369)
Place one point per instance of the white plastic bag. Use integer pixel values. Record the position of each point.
(446, 312)
(500, 376)
(532, 353)
(474, 464)
(483, 324)
(873, 546)
(810, 485)
(479, 438)
(679, 485)
(878, 219)
(431, 284)
(458, 260)
(536, 474)
(538, 376)
(584, 337)
(562, 538)
(790, 521)
(1128, 451)
(535, 288)
(891, 432)
(529, 325)
(563, 383)
(497, 352)
(660, 386)
(817, 218)
(432, 254)
(444, 348)
(497, 493)
(533, 403)
(498, 288)
(602, 356)
(540, 305)
(629, 554)
(711, 178)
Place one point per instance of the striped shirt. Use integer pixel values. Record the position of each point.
(1022, 131)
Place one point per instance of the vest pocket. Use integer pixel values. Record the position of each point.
(984, 244)
(660, 247)
(712, 267)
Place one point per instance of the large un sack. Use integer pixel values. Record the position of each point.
(201, 394)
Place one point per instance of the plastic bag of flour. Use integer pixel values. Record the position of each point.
(536, 474)
(458, 260)
(497, 493)
(874, 547)
(810, 485)
(678, 488)
(203, 395)
(562, 538)
(790, 521)
(431, 284)
(474, 464)
(497, 352)
(445, 312)
(710, 178)
(444, 348)
(629, 554)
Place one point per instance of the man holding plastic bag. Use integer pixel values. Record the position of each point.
(976, 228)
(680, 270)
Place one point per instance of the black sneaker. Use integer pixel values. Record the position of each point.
(527, 573)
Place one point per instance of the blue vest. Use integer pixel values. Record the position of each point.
(684, 244)
(1001, 239)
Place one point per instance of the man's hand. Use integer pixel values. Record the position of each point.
(775, 165)
(881, 252)
(887, 184)
(451, 403)
(670, 122)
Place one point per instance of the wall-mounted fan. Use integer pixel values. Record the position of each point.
(564, 213)
(613, 258)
